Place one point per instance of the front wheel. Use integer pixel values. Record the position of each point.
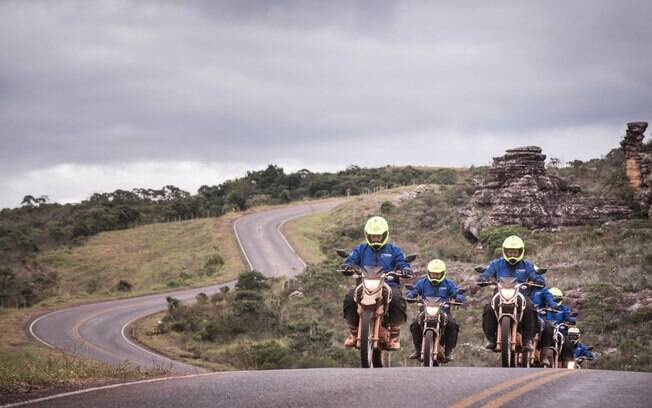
(366, 342)
(428, 348)
(507, 356)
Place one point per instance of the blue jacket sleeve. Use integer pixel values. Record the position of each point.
(355, 258)
(567, 315)
(399, 259)
(453, 292)
(550, 301)
(417, 291)
(489, 273)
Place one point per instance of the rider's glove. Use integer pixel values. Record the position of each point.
(407, 273)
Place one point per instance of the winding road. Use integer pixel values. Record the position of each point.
(98, 331)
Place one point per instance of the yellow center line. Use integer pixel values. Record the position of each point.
(510, 396)
(488, 392)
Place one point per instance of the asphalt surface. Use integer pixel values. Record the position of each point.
(99, 330)
(438, 387)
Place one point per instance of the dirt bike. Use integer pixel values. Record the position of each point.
(559, 338)
(508, 305)
(372, 295)
(434, 321)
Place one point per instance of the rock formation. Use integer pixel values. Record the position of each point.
(518, 190)
(638, 165)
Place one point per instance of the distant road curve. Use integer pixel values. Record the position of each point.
(99, 330)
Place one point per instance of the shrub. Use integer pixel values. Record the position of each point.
(123, 286)
(492, 238)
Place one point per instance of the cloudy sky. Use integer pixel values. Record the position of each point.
(101, 95)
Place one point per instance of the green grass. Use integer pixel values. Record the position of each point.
(151, 258)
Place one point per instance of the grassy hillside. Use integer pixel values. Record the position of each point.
(149, 258)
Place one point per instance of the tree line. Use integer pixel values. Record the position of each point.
(39, 224)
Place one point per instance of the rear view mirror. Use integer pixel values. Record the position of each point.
(343, 253)
(461, 291)
(480, 269)
(409, 287)
(410, 257)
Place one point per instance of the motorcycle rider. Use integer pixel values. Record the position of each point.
(511, 265)
(551, 299)
(563, 313)
(435, 284)
(378, 252)
(542, 299)
(579, 349)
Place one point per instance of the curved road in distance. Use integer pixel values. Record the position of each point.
(99, 330)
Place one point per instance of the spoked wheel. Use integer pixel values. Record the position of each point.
(507, 356)
(428, 346)
(366, 343)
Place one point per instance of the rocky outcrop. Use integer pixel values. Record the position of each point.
(638, 165)
(518, 190)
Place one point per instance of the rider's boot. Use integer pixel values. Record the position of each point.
(546, 357)
(449, 354)
(352, 340)
(394, 338)
(490, 345)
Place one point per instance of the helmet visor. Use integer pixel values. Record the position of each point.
(376, 241)
(436, 276)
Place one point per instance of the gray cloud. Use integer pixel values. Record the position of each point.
(104, 84)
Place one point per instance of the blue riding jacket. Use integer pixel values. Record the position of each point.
(523, 271)
(580, 350)
(563, 315)
(444, 290)
(389, 257)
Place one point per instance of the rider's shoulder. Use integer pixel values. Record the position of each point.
(498, 262)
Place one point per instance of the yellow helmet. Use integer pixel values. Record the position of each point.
(514, 242)
(436, 271)
(376, 232)
(557, 295)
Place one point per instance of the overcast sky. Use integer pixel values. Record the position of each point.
(99, 95)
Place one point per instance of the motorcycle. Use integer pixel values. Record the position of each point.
(558, 360)
(435, 319)
(372, 296)
(508, 305)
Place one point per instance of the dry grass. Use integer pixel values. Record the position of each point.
(151, 258)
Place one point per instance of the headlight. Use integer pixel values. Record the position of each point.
(507, 293)
(432, 310)
(371, 284)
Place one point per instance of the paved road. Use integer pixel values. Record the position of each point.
(98, 330)
(457, 387)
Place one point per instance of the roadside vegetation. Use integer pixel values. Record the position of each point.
(603, 269)
(114, 264)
